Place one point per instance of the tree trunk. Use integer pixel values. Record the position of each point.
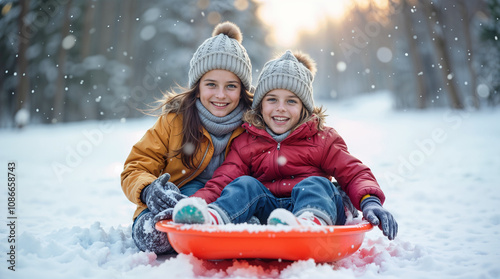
(23, 84)
(433, 18)
(415, 56)
(125, 32)
(108, 24)
(59, 98)
(468, 43)
(87, 26)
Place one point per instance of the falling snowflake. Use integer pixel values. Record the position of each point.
(281, 160)
(188, 148)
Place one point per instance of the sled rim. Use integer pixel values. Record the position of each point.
(212, 242)
(169, 226)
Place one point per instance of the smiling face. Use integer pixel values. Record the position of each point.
(281, 110)
(220, 92)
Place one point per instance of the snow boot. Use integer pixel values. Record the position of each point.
(282, 216)
(195, 211)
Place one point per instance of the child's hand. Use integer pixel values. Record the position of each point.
(164, 215)
(378, 216)
(161, 194)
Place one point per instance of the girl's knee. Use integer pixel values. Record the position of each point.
(245, 179)
(244, 182)
(318, 183)
(191, 187)
(147, 238)
(244, 185)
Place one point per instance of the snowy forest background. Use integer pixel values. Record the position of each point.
(70, 60)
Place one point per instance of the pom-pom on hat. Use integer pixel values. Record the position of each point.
(291, 71)
(222, 51)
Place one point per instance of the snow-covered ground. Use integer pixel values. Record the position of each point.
(440, 170)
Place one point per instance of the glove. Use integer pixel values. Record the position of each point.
(161, 194)
(147, 238)
(164, 215)
(378, 216)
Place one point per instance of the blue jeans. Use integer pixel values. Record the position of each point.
(191, 187)
(246, 197)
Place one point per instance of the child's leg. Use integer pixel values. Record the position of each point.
(147, 238)
(191, 187)
(319, 196)
(243, 198)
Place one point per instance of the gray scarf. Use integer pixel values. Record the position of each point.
(276, 137)
(220, 130)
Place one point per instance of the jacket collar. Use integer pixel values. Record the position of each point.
(307, 129)
(238, 131)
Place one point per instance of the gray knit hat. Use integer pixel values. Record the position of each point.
(223, 51)
(290, 73)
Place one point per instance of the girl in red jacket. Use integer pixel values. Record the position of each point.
(280, 170)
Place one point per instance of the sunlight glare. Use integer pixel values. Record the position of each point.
(288, 18)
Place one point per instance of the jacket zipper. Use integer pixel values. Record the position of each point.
(276, 158)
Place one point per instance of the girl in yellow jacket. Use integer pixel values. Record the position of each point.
(190, 139)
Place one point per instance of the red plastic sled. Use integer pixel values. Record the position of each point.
(243, 241)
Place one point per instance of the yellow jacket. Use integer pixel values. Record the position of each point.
(148, 158)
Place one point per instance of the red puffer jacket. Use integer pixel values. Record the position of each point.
(280, 166)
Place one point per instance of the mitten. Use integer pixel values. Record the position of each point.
(161, 194)
(164, 215)
(147, 238)
(378, 216)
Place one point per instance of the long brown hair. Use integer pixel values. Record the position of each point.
(184, 104)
